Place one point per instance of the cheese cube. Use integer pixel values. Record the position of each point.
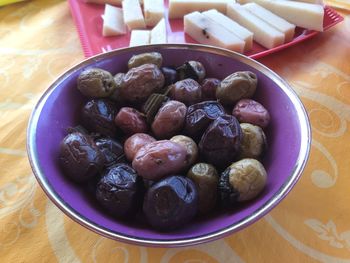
(158, 33)
(317, 2)
(264, 34)
(273, 20)
(133, 16)
(205, 31)
(140, 37)
(309, 16)
(179, 8)
(235, 28)
(113, 21)
(153, 11)
(111, 2)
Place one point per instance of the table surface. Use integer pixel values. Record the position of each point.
(38, 41)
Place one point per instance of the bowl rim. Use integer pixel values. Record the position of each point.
(305, 135)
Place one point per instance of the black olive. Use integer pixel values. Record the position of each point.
(111, 149)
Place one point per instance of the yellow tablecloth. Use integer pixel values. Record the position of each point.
(38, 41)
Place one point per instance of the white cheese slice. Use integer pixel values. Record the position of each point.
(179, 8)
(111, 2)
(133, 16)
(317, 2)
(205, 31)
(264, 34)
(140, 37)
(309, 16)
(153, 11)
(273, 20)
(113, 21)
(235, 28)
(158, 33)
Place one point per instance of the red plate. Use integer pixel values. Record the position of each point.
(87, 18)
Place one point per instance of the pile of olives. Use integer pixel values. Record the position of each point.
(167, 141)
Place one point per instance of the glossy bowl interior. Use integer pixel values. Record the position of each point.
(288, 138)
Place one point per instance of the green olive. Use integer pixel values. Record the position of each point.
(190, 145)
(118, 79)
(242, 181)
(96, 83)
(253, 141)
(145, 58)
(205, 177)
(239, 85)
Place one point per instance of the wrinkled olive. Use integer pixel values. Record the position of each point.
(238, 85)
(253, 141)
(206, 179)
(79, 157)
(209, 87)
(169, 75)
(158, 159)
(187, 91)
(118, 80)
(140, 82)
(135, 142)
(118, 191)
(191, 148)
(145, 58)
(220, 143)
(171, 203)
(96, 83)
(191, 69)
(98, 116)
(111, 149)
(169, 120)
(251, 111)
(242, 181)
(131, 121)
(200, 115)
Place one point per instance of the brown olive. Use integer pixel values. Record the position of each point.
(187, 91)
(118, 80)
(209, 87)
(238, 85)
(169, 120)
(242, 181)
(206, 178)
(251, 111)
(253, 141)
(131, 121)
(96, 83)
(140, 82)
(191, 148)
(135, 142)
(145, 58)
(220, 143)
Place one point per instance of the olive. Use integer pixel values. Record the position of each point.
(134, 143)
(145, 58)
(206, 179)
(200, 115)
(241, 181)
(187, 91)
(169, 75)
(220, 143)
(238, 85)
(251, 111)
(131, 121)
(140, 82)
(169, 120)
(111, 149)
(98, 116)
(209, 87)
(171, 203)
(96, 83)
(118, 191)
(118, 80)
(253, 141)
(191, 148)
(191, 69)
(158, 159)
(79, 157)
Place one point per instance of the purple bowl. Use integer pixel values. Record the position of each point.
(288, 135)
